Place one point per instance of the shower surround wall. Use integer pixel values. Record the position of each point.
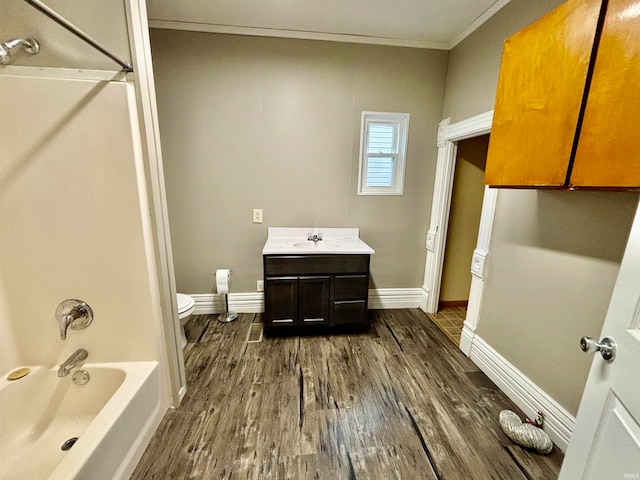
(74, 212)
(80, 214)
(74, 222)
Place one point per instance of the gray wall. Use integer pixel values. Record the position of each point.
(275, 124)
(553, 263)
(475, 63)
(554, 256)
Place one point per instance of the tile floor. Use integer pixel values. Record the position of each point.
(450, 320)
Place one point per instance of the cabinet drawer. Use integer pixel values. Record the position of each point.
(276, 265)
(352, 287)
(350, 313)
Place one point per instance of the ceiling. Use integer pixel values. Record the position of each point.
(440, 24)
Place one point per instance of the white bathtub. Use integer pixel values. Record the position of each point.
(113, 415)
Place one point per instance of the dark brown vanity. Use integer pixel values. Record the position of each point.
(315, 279)
(315, 290)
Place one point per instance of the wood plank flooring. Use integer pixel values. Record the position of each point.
(398, 401)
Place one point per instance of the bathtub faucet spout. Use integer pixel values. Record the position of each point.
(76, 359)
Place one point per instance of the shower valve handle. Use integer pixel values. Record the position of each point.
(74, 314)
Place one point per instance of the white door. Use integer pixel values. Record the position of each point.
(605, 443)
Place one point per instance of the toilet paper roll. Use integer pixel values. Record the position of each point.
(223, 280)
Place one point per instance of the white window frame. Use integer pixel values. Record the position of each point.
(401, 120)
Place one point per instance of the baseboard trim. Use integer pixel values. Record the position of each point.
(523, 392)
(381, 298)
(466, 339)
(452, 303)
(424, 298)
(387, 298)
(207, 304)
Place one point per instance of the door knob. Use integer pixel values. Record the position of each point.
(606, 347)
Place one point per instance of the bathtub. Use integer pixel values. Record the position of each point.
(113, 416)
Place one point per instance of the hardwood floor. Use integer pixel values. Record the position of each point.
(399, 401)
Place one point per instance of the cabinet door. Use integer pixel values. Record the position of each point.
(281, 301)
(608, 153)
(540, 92)
(313, 299)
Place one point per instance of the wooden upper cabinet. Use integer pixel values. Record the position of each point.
(539, 97)
(608, 153)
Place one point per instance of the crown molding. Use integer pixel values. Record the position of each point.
(297, 34)
(327, 36)
(478, 22)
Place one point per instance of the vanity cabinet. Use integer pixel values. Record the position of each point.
(565, 106)
(315, 290)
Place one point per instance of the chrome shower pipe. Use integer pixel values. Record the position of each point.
(11, 47)
(63, 22)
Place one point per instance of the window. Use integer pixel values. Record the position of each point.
(383, 146)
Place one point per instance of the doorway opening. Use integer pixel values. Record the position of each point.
(461, 236)
(449, 136)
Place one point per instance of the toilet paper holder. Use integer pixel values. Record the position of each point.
(223, 284)
(227, 316)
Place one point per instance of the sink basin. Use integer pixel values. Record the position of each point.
(322, 245)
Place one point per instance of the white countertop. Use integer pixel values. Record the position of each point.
(291, 241)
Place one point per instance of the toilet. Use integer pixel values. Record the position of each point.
(186, 305)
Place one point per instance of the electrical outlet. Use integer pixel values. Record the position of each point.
(260, 286)
(257, 215)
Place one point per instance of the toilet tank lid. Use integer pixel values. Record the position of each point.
(185, 302)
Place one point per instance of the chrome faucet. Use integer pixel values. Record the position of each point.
(314, 237)
(75, 314)
(76, 359)
(11, 47)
